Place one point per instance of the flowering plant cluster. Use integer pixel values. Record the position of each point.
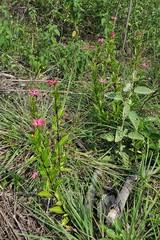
(48, 148)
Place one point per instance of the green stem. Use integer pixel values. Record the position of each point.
(57, 125)
(126, 30)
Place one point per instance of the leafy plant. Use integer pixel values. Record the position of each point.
(48, 151)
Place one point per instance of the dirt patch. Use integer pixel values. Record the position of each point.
(16, 223)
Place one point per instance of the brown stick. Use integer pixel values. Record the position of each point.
(121, 199)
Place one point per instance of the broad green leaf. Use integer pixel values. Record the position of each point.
(111, 234)
(126, 110)
(114, 96)
(133, 117)
(56, 209)
(135, 135)
(125, 131)
(107, 136)
(154, 136)
(152, 119)
(119, 134)
(103, 21)
(63, 140)
(128, 87)
(134, 75)
(45, 193)
(143, 90)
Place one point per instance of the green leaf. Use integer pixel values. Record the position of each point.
(45, 193)
(45, 154)
(111, 234)
(65, 169)
(56, 209)
(154, 136)
(125, 158)
(60, 113)
(107, 158)
(114, 96)
(143, 90)
(133, 117)
(2, 40)
(107, 136)
(136, 136)
(65, 220)
(126, 110)
(103, 21)
(57, 184)
(128, 87)
(57, 32)
(63, 140)
(152, 119)
(119, 134)
(32, 159)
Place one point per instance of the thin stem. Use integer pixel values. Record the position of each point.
(57, 124)
(126, 30)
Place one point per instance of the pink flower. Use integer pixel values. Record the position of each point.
(52, 82)
(145, 65)
(112, 35)
(100, 40)
(102, 81)
(34, 92)
(35, 174)
(114, 18)
(38, 122)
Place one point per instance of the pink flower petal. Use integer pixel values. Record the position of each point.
(41, 122)
(102, 81)
(114, 18)
(100, 40)
(35, 174)
(38, 122)
(34, 92)
(145, 65)
(52, 82)
(112, 35)
(35, 124)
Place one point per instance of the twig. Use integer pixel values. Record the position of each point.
(6, 75)
(121, 199)
(20, 227)
(9, 224)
